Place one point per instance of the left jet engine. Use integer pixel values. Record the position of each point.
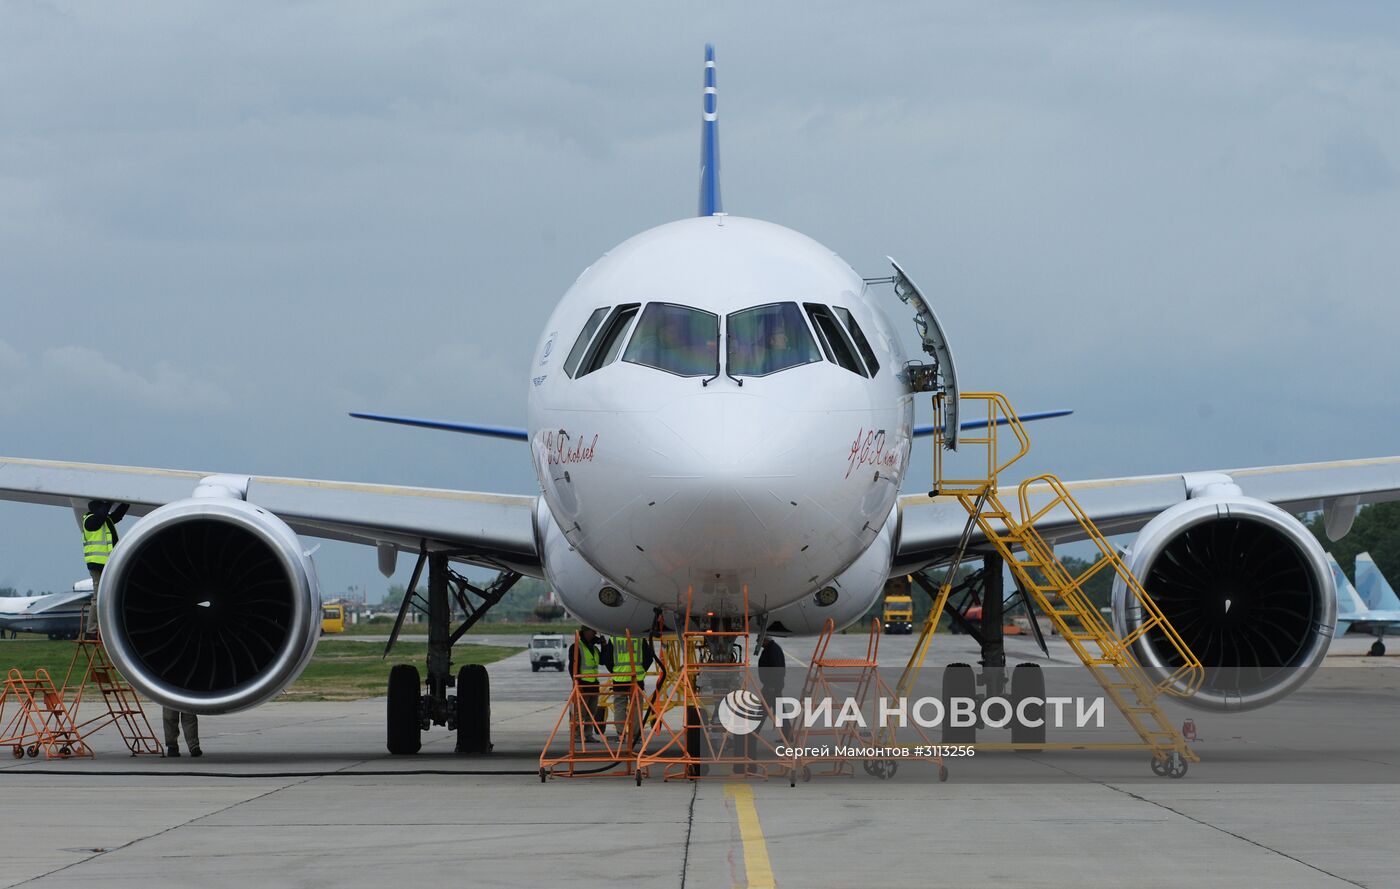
(210, 605)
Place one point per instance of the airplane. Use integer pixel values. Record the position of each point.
(57, 615)
(1382, 607)
(1351, 608)
(719, 417)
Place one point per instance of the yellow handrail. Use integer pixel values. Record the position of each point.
(999, 414)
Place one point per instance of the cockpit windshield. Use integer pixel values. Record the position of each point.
(767, 339)
(676, 339)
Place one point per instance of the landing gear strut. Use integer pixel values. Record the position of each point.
(415, 706)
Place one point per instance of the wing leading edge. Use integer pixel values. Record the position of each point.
(496, 530)
(930, 526)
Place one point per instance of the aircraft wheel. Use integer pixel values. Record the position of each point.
(405, 696)
(473, 709)
(1028, 681)
(958, 682)
(1378, 649)
(695, 742)
(883, 769)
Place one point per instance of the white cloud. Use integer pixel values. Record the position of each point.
(77, 378)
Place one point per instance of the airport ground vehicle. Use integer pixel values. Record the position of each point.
(332, 618)
(547, 650)
(899, 613)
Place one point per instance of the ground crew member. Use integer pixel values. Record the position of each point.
(628, 658)
(772, 672)
(173, 719)
(99, 537)
(584, 667)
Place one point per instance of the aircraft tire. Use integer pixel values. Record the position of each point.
(1028, 681)
(1378, 649)
(695, 741)
(958, 682)
(473, 709)
(405, 694)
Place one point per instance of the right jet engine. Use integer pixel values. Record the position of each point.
(1247, 587)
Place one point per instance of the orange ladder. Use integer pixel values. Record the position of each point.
(704, 741)
(826, 676)
(41, 720)
(91, 667)
(580, 718)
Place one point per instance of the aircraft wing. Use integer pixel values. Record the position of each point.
(496, 530)
(931, 526)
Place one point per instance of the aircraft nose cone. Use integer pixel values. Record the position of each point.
(724, 435)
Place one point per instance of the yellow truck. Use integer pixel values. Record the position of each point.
(332, 618)
(899, 613)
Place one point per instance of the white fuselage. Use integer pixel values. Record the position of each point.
(675, 488)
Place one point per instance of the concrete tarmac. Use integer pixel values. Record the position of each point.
(303, 794)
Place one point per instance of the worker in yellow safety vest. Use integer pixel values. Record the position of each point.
(584, 667)
(628, 658)
(99, 538)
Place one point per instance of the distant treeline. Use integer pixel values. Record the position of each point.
(1377, 531)
(9, 592)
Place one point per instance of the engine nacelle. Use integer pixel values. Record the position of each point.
(210, 605)
(1245, 585)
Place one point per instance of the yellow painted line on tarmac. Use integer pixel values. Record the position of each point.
(758, 872)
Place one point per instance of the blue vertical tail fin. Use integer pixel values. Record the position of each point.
(1372, 585)
(1349, 603)
(709, 141)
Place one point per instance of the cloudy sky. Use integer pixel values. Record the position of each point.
(223, 226)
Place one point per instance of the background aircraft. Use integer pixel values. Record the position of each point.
(1380, 608)
(56, 614)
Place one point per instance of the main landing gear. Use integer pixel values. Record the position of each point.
(985, 587)
(415, 706)
(1378, 648)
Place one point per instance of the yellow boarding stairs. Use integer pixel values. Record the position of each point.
(1060, 595)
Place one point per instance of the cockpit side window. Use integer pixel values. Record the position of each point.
(872, 363)
(581, 344)
(767, 339)
(835, 343)
(676, 339)
(608, 344)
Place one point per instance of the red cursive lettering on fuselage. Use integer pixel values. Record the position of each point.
(561, 450)
(869, 450)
